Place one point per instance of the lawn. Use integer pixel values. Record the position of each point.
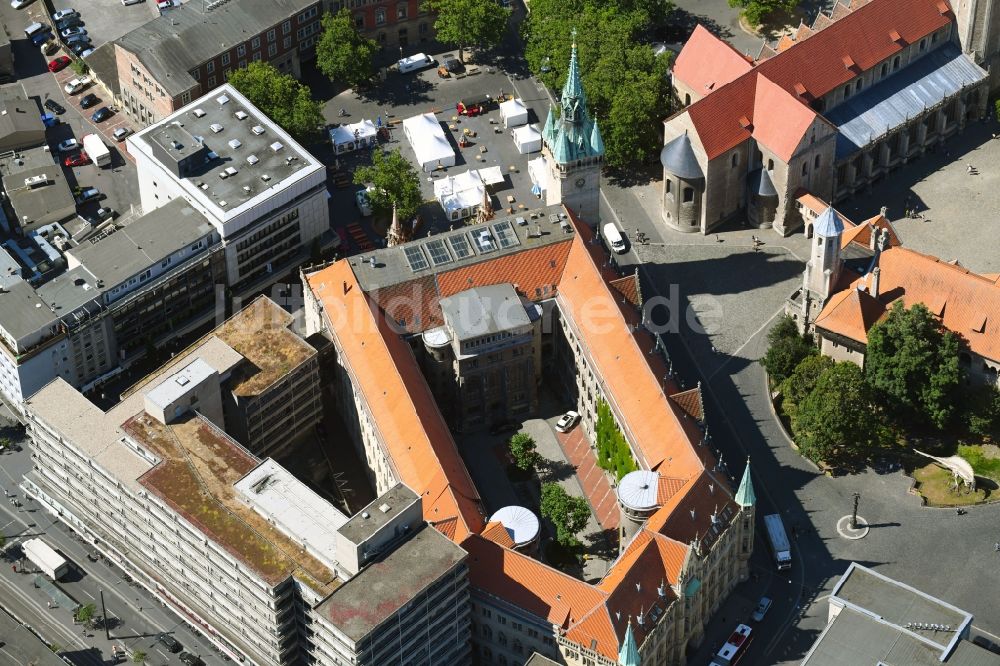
(985, 459)
(934, 485)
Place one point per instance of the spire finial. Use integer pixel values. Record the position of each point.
(573, 33)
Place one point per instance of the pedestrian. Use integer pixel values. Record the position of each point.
(5, 493)
(996, 546)
(48, 604)
(13, 568)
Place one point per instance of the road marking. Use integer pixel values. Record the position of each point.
(88, 594)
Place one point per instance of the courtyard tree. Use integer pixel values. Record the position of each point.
(396, 182)
(838, 421)
(285, 101)
(913, 360)
(786, 348)
(85, 614)
(755, 11)
(138, 657)
(801, 383)
(613, 452)
(981, 411)
(569, 514)
(342, 53)
(522, 451)
(469, 22)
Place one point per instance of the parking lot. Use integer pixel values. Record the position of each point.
(107, 20)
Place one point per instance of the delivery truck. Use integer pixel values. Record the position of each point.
(51, 563)
(96, 149)
(778, 540)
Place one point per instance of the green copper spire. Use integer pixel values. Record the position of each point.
(629, 654)
(574, 135)
(745, 496)
(596, 142)
(550, 126)
(572, 92)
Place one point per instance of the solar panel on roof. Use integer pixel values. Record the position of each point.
(439, 253)
(505, 234)
(460, 246)
(416, 258)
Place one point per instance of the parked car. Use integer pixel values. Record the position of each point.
(64, 14)
(76, 85)
(72, 32)
(763, 606)
(88, 194)
(106, 214)
(169, 641)
(59, 64)
(19, 4)
(164, 4)
(55, 107)
(89, 100)
(40, 38)
(77, 160)
(120, 133)
(77, 39)
(85, 52)
(450, 66)
(131, 2)
(191, 659)
(567, 421)
(71, 22)
(49, 47)
(101, 114)
(79, 48)
(68, 146)
(414, 63)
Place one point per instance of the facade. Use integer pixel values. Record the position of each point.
(825, 113)
(978, 25)
(247, 554)
(394, 24)
(264, 194)
(679, 562)
(191, 49)
(871, 621)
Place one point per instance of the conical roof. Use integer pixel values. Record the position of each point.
(629, 653)
(550, 125)
(761, 184)
(573, 89)
(745, 495)
(678, 158)
(596, 142)
(828, 223)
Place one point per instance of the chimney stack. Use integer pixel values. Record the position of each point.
(873, 287)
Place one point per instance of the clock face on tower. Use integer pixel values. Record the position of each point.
(580, 182)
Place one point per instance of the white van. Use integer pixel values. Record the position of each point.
(414, 62)
(614, 239)
(34, 29)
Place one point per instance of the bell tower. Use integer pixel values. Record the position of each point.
(573, 150)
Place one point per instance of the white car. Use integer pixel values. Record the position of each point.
(567, 421)
(76, 85)
(763, 606)
(68, 146)
(131, 2)
(19, 4)
(64, 13)
(361, 199)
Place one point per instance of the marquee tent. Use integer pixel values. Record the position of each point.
(527, 139)
(460, 195)
(428, 141)
(354, 136)
(514, 113)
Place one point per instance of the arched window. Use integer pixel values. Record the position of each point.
(687, 99)
(857, 86)
(895, 63)
(884, 70)
(816, 162)
(805, 168)
(667, 185)
(735, 160)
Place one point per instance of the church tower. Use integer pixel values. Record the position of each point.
(573, 151)
(824, 261)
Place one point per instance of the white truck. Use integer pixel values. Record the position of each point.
(51, 563)
(96, 150)
(778, 540)
(614, 238)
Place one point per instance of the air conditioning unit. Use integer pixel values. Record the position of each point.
(36, 181)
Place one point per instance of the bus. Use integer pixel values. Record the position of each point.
(734, 649)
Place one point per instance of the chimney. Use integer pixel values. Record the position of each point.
(873, 287)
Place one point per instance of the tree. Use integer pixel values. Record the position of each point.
(838, 421)
(785, 350)
(285, 100)
(85, 614)
(801, 382)
(469, 22)
(395, 181)
(79, 66)
(342, 53)
(754, 11)
(138, 657)
(569, 514)
(981, 411)
(913, 360)
(522, 450)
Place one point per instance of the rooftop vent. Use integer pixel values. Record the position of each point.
(257, 129)
(246, 188)
(182, 380)
(231, 171)
(241, 115)
(384, 508)
(222, 99)
(204, 186)
(36, 181)
(176, 145)
(252, 159)
(235, 143)
(264, 177)
(215, 127)
(223, 175)
(198, 113)
(223, 203)
(276, 146)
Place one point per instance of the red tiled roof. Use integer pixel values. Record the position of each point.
(498, 534)
(413, 305)
(704, 495)
(535, 272)
(803, 31)
(850, 313)
(690, 402)
(628, 287)
(785, 123)
(707, 63)
(822, 21)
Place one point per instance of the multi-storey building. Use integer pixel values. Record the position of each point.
(393, 24)
(262, 191)
(827, 112)
(250, 556)
(191, 49)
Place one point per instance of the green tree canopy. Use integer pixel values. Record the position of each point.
(285, 100)
(838, 422)
(396, 182)
(785, 350)
(342, 53)
(522, 450)
(755, 11)
(981, 411)
(85, 613)
(913, 360)
(469, 22)
(569, 514)
(626, 84)
(801, 382)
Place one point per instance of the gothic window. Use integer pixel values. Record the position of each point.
(895, 63)
(805, 168)
(857, 86)
(667, 186)
(884, 70)
(687, 99)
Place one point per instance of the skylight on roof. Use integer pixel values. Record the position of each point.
(215, 127)
(232, 171)
(235, 143)
(241, 115)
(415, 257)
(252, 159)
(439, 252)
(505, 234)
(222, 99)
(198, 113)
(257, 129)
(276, 146)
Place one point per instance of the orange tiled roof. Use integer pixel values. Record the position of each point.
(784, 43)
(812, 202)
(688, 514)
(535, 273)
(497, 533)
(691, 403)
(803, 31)
(628, 287)
(968, 304)
(413, 305)
(707, 63)
(862, 233)
(388, 378)
(822, 21)
(781, 129)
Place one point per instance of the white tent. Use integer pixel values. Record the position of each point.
(460, 195)
(428, 141)
(354, 136)
(527, 139)
(538, 171)
(514, 113)
(491, 175)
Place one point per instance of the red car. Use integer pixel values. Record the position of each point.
(59, 63)
(77, 160)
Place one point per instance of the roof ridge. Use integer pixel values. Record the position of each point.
(941, 262)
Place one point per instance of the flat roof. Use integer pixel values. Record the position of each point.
(386, 585)
(39, 202)
(22, 310)
(144, 242)
(173, 387)
(20, 113)
(255, 155)
(293, 508)
(16, 161)
(10, 269)
(484, 310)
(378, 513)
(72, 294)
(260, 333)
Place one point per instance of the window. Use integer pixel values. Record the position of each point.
(934, 38)
(196, 74)
(211, 82)
(687, 99)
(382, 37)
(424, 28)
(884, 70)
(255, 43)
(210, 67)
(225, 59)
(225, 74)
(667, 186)
(287, 42)
(185, 97)
(359, 21)
(688, 194)
(816, 162)
(271, 35)
(380, 16)
(286, 27)
(805, 168)
(770, 165)
(857, 86)
(241, 50)
(272, 50)
(256, 55)
(923, 44)
(895, 63)
(241, 64)
(401, 11)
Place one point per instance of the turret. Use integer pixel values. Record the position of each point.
(824, 260)
(763, 199)
(638, 499)
(683, 185)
